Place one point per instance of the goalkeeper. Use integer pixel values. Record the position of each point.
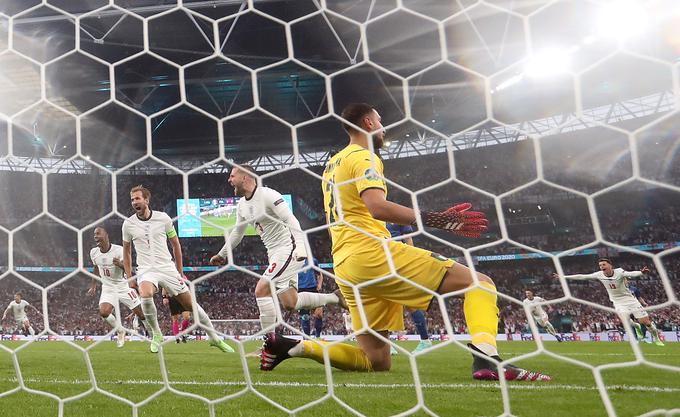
(353, 186)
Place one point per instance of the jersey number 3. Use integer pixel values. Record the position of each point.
(272, 267)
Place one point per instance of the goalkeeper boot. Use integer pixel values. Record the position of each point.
(422, 345)
(275, 350)
(485, 369)
(222, 345)
(658, 342)
(156, 341)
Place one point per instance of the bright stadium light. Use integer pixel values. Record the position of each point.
(548, 63)
(622, 19)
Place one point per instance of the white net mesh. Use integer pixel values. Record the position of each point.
(552, 115)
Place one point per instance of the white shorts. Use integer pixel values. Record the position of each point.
(126, 296)
(163, 276)
(631, 307)
(542, 320)
(283, 271)
(20, 321)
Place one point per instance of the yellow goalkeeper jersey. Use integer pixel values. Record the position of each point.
(352, 171)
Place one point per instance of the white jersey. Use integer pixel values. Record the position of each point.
(19, 309)
(150, 238)
(534, 307)
(615, 285)
(112, 276)
(269, 214)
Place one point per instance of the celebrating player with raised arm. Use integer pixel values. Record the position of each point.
(280, 232)
(18, 307)
(107, 259)
(540, 316)
(625, 303)
(357, 209)
(149, 231)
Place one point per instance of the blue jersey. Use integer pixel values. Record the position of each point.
(307, 278)
(397, 230)
(635, 291)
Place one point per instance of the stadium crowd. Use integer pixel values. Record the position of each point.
(540, 216)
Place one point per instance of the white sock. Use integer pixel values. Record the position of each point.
(206, 323)
(151, 314)
(551, 330)
(487, 348)
(654, 331)
(297, 350)
(267, 312)
(111, 320)
(31, 331)
(309, 300)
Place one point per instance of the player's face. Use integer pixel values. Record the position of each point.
(529, 295)
(373, 124)
(139, 203)
(236, 180)
(17, 298)
(605, 267)
(100, 236)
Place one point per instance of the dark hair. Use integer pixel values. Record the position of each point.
(145, 191)
(19, 294)
(609, 261)
(101, 226)
(353, 113)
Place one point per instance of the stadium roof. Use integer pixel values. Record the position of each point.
(448, 101)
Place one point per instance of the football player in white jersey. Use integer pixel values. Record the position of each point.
(540, 316)
(625, 303)
(18, 307)
(149, 231)
(107, 259)
(267, 211)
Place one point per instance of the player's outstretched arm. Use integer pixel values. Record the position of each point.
(36, 310)
(636, 274)
(232, 241)
(4, 314)
(577, 276)
(457, 219)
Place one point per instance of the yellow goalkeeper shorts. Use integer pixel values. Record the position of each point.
(384, 301)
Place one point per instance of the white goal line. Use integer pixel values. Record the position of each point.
(288, 384)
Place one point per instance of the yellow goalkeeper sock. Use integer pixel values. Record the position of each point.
(342, 356)
(481, 316)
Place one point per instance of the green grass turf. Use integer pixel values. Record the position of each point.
(195, 368)
(224, 223)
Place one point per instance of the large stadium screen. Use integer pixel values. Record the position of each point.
(205, 217)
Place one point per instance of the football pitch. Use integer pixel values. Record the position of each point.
(444, 374)
(224, 223)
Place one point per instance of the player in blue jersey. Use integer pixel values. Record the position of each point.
(310, 280)
(641, 334)
(418, 316)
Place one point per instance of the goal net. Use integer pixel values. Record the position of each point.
(558, 119)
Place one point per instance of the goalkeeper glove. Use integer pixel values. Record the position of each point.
(457, 220)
